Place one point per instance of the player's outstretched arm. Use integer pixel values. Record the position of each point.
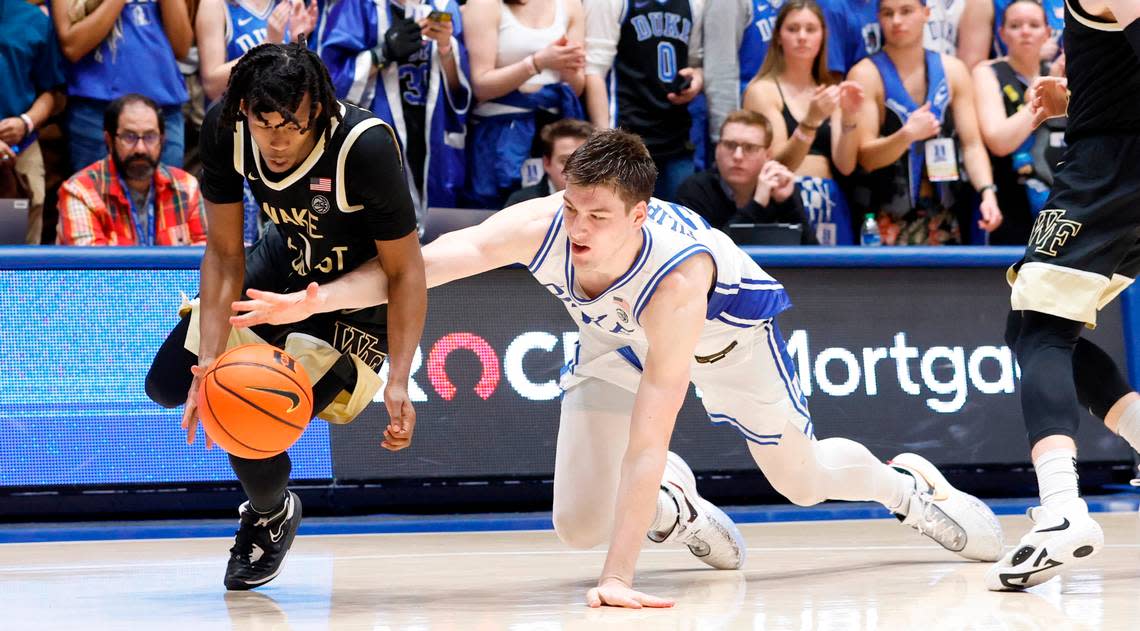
(512, 235)
(673, 321)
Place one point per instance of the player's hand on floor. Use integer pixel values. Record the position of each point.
(266, 307)
(190, 413)
(401, 418)
(614, 593)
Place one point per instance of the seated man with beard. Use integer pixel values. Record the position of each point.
(129, 198)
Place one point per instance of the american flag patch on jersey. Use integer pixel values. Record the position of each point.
(320, 184)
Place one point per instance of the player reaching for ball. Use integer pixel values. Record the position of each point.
(660, 300)
(328, 177)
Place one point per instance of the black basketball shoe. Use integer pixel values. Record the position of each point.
(261, 544)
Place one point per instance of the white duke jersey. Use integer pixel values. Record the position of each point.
(941, 33)
(744, 297)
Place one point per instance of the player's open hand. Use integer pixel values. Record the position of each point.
(190, 413)
(612, 592)
(1048, 97)
(401, 418)
(266, 307)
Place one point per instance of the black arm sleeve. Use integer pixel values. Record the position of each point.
(220, 183)
(375, 179)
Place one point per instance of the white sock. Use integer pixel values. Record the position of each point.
(1128, 427)
(905, 486)
(667, 513)
(1057, 481)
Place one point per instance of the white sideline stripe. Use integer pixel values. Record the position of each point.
(310, 558)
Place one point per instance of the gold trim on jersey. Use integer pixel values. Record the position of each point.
(1091, 21)
(342, 158)
(1067, 293)
(301, 171)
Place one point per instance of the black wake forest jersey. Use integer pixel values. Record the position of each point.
(653, 47)
(1104, 76)
(331, 209)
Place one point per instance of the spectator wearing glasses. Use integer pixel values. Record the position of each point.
(746, 186)
(130, 197)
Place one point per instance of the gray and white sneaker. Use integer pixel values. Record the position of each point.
(959, 522)
(707, 531)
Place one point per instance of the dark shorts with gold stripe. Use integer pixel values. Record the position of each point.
(1085, 245)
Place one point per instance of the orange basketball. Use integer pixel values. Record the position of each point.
(255, 401)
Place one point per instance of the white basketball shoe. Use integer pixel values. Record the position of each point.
(959, 522)
(1055, 543)
(705, 529)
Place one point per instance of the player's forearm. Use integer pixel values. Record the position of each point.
(406, 311)
(641, 473)
(654, 414)
(884, 150)
(222, 277)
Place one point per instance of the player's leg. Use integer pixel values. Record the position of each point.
(593, 432)
(1080, 256)
(592, 437)
(757, 391)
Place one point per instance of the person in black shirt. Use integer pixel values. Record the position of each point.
(1083, 251)
(328, 177)
(746, 186)
(559, 139)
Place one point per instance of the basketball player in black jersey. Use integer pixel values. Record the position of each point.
(328, 177)
(1083, 251)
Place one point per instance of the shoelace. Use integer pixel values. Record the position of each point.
(941, 524)
(243, 544)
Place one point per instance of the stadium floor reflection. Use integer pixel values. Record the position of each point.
(871, 574)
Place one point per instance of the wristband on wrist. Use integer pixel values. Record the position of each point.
(988, 187)
(28, 124)
(805, 136)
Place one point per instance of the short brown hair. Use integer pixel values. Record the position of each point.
(752, 119)
(617, 159)
(565, 128)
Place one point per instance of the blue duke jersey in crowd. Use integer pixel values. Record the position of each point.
(745, 297)
(411, 95)
(757, 38)
(245, 27)
(653, 47)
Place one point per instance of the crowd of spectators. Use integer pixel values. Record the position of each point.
(814, 114)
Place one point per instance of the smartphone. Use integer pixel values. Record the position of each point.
(679, 84)
(439, 16)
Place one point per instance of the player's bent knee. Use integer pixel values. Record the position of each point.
(801, 492)
(576, 532)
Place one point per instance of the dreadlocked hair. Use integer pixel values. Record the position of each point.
(275, 78)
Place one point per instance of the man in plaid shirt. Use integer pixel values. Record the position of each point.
(129, 198)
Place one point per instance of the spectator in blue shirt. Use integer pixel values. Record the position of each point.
(122, 47)
(31, 83)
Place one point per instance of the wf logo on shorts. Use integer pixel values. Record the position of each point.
(1050, 232)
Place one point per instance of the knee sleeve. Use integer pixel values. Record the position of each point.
(1049, 401)
(264, 481)
(1099, 381)
(169, 377)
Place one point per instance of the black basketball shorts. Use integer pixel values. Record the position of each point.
(1085, 245)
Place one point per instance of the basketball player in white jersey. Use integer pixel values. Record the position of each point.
(661, 300)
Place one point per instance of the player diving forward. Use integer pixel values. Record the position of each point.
(661, 299)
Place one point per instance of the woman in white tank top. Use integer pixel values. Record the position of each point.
(528, 67)
(525, 45)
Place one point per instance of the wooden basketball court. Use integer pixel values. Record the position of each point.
(870, 574)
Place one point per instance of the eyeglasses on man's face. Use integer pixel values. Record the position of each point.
(130, 138)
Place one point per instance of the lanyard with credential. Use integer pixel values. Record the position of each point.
(150, 214)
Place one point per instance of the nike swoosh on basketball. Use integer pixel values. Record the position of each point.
(293, 397)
